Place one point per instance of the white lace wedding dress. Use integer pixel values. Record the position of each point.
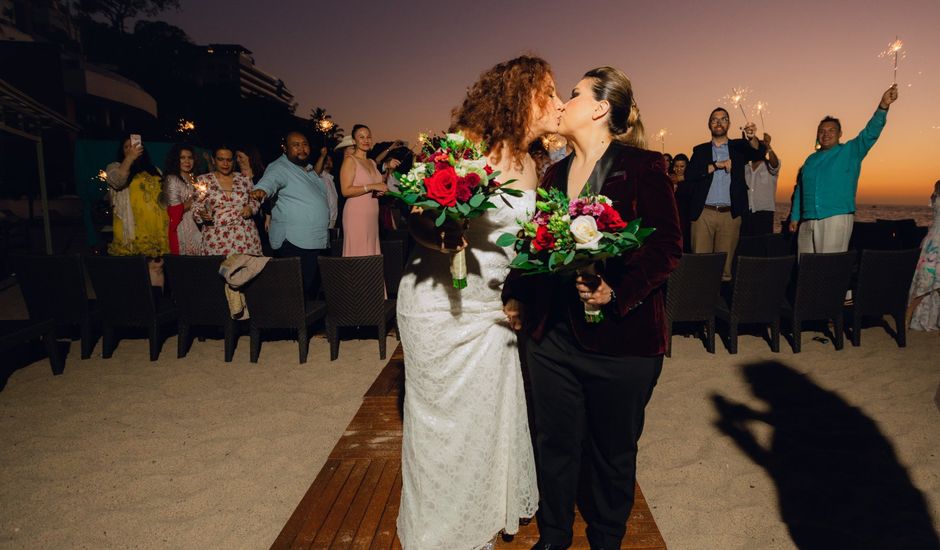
(467, 463)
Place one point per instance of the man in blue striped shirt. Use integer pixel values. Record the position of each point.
(824, 197)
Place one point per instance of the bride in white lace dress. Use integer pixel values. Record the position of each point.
(467, 464)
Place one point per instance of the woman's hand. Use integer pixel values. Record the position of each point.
(257, 194)
(513, 310)
(593, 289)
(378, 189)
(187, 204)
(246, 211)
(267, 222)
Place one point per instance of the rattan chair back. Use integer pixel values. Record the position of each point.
(53, 287)
(821, 283)
(759, 288)
(884, 279)
(692, 292)
(123, 291)
(197, 288)
(275, 297)
(355, 289)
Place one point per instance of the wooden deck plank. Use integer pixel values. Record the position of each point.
(386, 532)
(334, 519)
(353, 502)
(322, 506)
(346, 532)
(373, 514)
(307, 503)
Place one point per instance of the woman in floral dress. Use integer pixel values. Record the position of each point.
(224, 207)
(924, 310)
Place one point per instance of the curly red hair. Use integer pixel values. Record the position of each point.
(500, 103)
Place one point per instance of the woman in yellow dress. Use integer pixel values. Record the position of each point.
(140, 220)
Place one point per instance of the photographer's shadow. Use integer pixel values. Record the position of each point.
(838, 480)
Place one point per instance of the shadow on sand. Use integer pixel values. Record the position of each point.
(838, 480)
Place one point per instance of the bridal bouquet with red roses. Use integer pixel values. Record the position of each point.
(571, 236)
(451, 180)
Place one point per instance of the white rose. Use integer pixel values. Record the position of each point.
(586, 235)
(456, 138)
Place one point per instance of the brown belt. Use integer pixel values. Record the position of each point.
(718, 208)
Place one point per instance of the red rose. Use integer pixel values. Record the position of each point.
(442, 186)
(487, 169)
(464, 189)
(610, 220)
(543, 239)
(473, 179)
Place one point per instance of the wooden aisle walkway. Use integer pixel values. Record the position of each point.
(353, 502)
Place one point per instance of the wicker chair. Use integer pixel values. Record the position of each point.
(884, 279)
(692, 294)
(122, 286)
(819, 293)
(275, 299)
(20, 331)
(355, 297)
(54, 287)
(393, 261)
(756, 294)
(199, 292)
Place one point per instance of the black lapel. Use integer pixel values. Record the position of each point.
(560, 180)
(602, 168)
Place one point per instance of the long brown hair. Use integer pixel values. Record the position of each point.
(612, 85)
(499, 104)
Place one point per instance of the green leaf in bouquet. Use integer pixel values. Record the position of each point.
(511, 192)
(506, 239)
(477, 199)
(508, 182)
(410, 198)
(645, 232)
(521, 258)
(463, 208)
(440, 219)
(542, 192)
(634, 225)
(556, 258)
(543, 206)
(570, 257)
(428, 203)
(489, 205)
(492, 176)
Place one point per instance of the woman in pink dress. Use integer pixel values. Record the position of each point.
(224, 207)
(361, 184)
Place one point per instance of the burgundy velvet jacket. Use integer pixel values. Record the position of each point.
(634, 325)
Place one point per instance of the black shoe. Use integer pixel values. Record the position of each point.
(550, 546)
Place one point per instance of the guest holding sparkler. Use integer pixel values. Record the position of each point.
(301, 215)
(185, 238)
(718, 192)
(761, 177)
(224, 206)
(824, 197)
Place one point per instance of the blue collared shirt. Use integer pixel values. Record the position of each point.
(719, 194)
(302, 213)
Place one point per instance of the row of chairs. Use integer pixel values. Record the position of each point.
(767, 290)
(54, 288)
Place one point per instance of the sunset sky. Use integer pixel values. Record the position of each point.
(400, 67)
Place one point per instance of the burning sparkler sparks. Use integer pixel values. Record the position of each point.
(761, 108)
(661, 136)
(737, 98)
(186, 126)
(325, 125)
(895, 51)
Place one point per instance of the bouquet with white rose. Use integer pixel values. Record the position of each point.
(570, 236)
(451, 180)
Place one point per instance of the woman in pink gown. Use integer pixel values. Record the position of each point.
(361, 184)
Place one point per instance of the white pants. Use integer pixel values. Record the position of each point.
(830, 234)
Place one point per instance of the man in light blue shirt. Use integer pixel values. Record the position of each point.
(824, 197)
(301, 216)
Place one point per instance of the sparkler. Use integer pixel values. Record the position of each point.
(761, 107)
(325, 125)
(737, 97)
(895, 50)
(186, 126)
(661, 136)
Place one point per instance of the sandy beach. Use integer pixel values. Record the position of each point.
(197, 453)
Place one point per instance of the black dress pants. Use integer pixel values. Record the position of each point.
(309, 269)
(588, 406)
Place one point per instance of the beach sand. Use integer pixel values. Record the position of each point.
(197, 453)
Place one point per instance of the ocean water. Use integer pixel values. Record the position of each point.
(923, 215)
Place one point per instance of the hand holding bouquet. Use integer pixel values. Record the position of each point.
(452, 181)
(570, 236)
